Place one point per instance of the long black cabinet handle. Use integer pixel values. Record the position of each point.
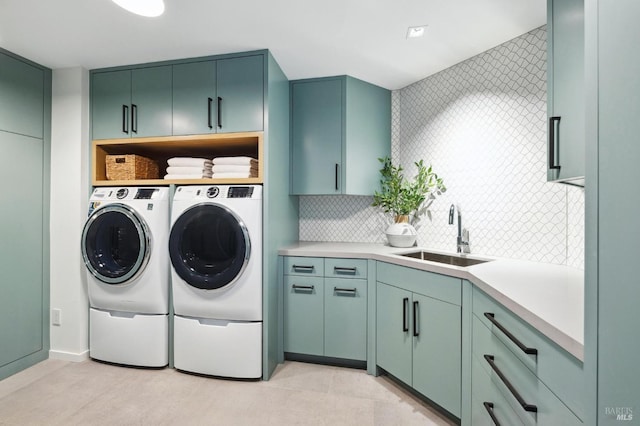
(344, 290)
(125, 119)
(302, 287)
(134, 118)
(302, 268)
(209, 123)
(405, 314)
(527, 350)
(489, 407)
(219, 112)
(416, 307)
(337, 172)
(527, 407)
(552, 142)
(344, 270)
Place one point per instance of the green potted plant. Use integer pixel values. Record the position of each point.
(406, 200)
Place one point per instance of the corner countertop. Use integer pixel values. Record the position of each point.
(548, 297)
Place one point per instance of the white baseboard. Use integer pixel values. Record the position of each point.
(69, 356)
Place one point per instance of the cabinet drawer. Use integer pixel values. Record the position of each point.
(518, 384)
(484, 391)
(345, 318)
(310, 266)
(303, 315)
(560, 371)
(345, 268)
(438, 286)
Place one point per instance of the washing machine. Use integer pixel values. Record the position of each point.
(215, 247)
(124, 247)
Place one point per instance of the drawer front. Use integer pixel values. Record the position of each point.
(484, 392)
(308, 266)
(345, 268)
(517, 383)
(345, 318)
(438, 286)
(303, 315)
(559, 370)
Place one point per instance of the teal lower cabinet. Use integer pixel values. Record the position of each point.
(419, 332)
(325, 307)
(514, 364)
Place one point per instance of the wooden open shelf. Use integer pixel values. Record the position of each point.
(160, 149)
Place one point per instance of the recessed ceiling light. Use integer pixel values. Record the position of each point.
(149, 8)
(414, 32)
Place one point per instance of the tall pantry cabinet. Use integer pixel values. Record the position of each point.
(25, 127)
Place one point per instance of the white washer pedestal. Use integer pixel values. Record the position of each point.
(218, 347)
(128, 338)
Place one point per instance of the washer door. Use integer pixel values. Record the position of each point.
(116, 244)
(209, 246)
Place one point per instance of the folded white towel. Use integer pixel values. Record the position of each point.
(237, 161)
(226, 168)
(187, 176)
(184, 170)
(228, 175)
(188, 161)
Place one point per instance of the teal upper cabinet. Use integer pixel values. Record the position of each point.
(565, 76)
(340, 127)
(131, 103)
(223, 96)
(194, 98)
(240, 94)
(21, 97)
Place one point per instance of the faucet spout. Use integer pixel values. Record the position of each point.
(462, 239)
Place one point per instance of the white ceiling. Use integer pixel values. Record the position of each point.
(363, 38)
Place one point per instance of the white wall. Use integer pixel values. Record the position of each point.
(69, 189)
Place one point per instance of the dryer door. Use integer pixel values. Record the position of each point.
(209, 246)
(116, 244)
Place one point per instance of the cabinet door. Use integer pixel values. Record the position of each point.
(21, 97)
(111, 104)
(437, 363)
(303, 315)
(393, 335)
(240, 84)
(345, 318)
(566, 91)
(317, 135)
(21, 260)
(194, 98)
(151, 101)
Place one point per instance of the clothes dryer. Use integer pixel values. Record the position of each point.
(123, 246)
(215, 247)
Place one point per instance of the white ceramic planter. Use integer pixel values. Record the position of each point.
(401, 235)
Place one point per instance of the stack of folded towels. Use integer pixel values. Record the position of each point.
(188, 168)
(234, 167)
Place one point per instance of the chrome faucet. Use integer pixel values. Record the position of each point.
(462, 241)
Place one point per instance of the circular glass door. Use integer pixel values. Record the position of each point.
(209, 246)
(115, 244)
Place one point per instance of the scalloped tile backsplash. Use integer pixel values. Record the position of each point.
(482, 125)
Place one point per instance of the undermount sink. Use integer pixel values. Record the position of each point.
(443, 258)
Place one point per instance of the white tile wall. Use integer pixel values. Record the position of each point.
(482, 124)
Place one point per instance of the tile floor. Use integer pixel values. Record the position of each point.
(91, 393)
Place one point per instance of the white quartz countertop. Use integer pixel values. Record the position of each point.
(548, 297)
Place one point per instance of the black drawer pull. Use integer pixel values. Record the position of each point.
(219, 112)
(209, 102)
(134, 118)
(303, 268)
(344, 270)
(416, 331)
(302, 287)
(405, 314)
(527, 407)
(553, 140)
(530, 351)
(489, 407)
(125, 119)
(344, 290)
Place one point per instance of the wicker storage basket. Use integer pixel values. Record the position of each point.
(131, 167)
